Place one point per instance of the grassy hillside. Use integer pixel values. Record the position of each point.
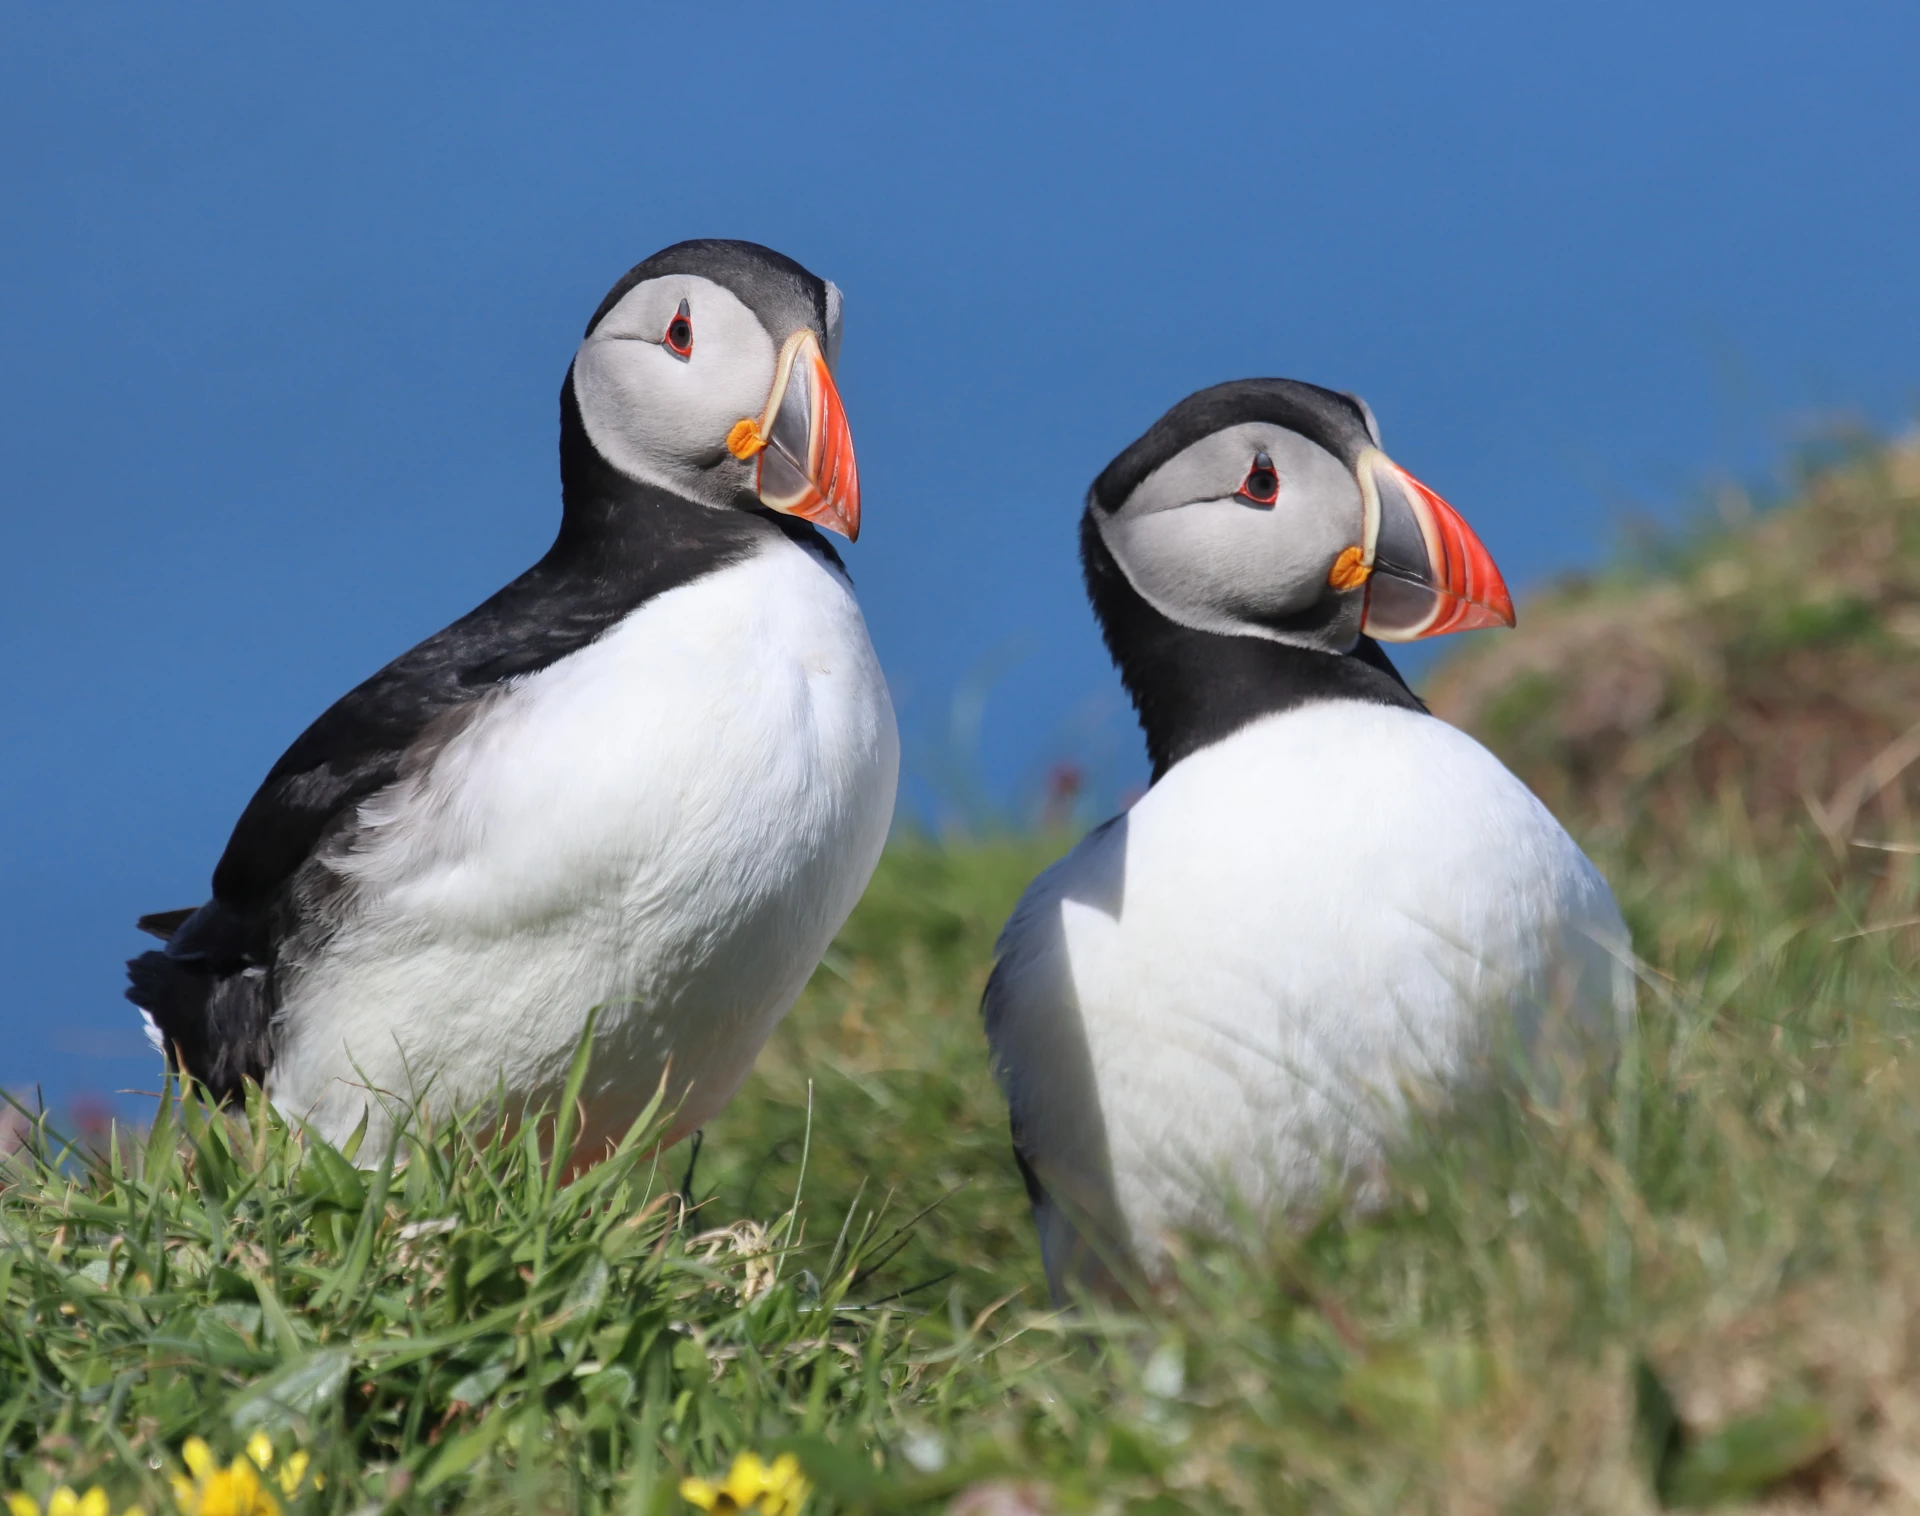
(1777, 661)
(1692, 1281)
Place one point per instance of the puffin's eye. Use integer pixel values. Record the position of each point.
(679, 338)
(1262, 484)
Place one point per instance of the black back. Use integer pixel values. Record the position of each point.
(621, 543)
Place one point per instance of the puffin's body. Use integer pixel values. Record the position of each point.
(1220, 998)
(649, 778)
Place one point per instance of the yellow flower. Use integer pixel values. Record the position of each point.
(293, 1471)
(775, 1489)
(213, 1491)
(65, 1502)
(260, 1450)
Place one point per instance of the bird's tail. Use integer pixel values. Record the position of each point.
(211, 1025)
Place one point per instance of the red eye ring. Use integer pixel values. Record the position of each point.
(1262, 484)
(679, 334)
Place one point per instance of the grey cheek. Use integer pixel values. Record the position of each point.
(1228, 559)
(1272, 571)
(591, 390)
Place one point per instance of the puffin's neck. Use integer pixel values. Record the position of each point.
(614, 526)
(1194, 688)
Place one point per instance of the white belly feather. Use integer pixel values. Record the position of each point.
(668, 825)
(1226, 989)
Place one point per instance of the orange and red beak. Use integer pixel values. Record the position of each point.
(804, 448)
(1430, 573)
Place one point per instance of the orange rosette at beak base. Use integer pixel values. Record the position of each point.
(1430, 573)
(804, 447)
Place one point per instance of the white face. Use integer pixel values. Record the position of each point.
(663, 417)
(1207, 555)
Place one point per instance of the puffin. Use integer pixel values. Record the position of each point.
(1329, 906)
(639, 789)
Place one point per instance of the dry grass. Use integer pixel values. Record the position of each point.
(1780, 661)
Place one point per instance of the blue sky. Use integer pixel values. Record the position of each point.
(288, 295)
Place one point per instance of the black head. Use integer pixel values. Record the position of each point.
(781, 293)
(1341, 424)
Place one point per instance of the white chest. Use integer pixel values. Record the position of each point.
(668, 826)
(1228, 985)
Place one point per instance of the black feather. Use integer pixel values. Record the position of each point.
(214, 1026)
(163, 924)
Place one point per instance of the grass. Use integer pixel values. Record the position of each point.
(1692, 1281)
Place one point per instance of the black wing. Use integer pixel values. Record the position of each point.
(571, 597)
(210, 992)
(357, 746)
